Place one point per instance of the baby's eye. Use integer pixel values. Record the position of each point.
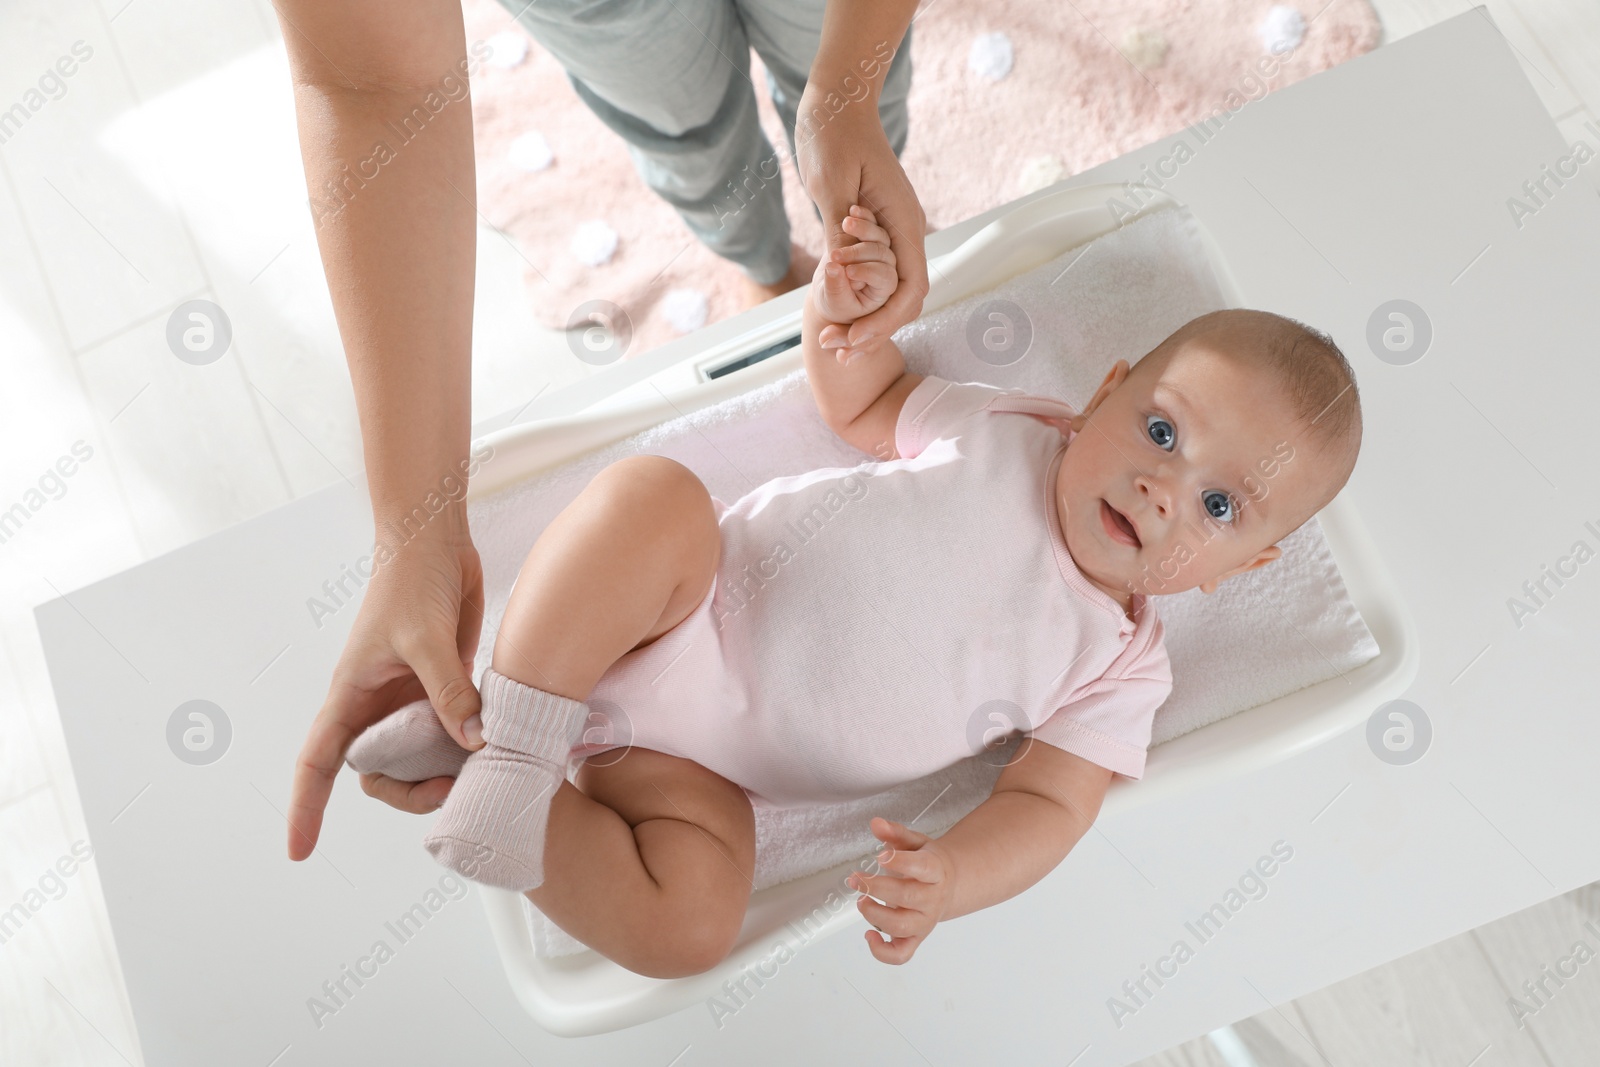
(1160, 431)
(1219, 505)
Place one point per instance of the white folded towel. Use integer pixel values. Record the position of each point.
(1261, 635)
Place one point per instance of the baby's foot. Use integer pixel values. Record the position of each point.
(491, 828)
(858, 279)
(410, 745)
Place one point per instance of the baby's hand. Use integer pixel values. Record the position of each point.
(855, 281)
(916, 891)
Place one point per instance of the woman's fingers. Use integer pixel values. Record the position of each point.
(414, 636)
(449, 685)
(314, 771)
(366, 686)
(903, 305)
(895, 209)
(447, 590)
(418, 798)
(832, 335)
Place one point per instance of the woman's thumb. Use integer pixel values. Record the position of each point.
(451, 692)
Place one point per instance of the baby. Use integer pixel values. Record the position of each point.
(831, 634)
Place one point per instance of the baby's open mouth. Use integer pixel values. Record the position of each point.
(1118, 526)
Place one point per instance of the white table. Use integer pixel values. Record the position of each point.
(1384, 178)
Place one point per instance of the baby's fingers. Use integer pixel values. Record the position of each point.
(896, 922)
(896, 952)
(908, 928)
(877, 278)
(862, 252)
(865, 229)
(836, 285)
(862, 211)
(896, 892)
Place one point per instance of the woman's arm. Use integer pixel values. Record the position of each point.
(385, 120)
(396, 229)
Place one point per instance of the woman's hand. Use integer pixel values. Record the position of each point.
(844, 158)
(419, 798)
(916, 891)
(416, 635)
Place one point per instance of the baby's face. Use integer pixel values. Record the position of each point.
(1181, 479)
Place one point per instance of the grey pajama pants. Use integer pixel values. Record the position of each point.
(672, 78)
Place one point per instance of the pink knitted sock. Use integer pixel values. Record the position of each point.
(491, 828)
(409, 744)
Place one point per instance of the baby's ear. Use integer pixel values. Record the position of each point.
(1262, 558)
(1114, 377)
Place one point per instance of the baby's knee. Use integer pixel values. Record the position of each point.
(656, 477)
(690, 946)
(660, 495)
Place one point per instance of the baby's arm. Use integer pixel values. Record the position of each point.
(1044, 801)
(859, 400)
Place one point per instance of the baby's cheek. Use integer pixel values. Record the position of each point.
(1083, 467)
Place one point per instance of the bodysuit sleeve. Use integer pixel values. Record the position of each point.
(936, 408)
(1109, 722)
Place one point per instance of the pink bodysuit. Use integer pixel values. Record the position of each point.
(870, 625)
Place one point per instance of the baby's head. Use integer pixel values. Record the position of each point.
(1189, 468)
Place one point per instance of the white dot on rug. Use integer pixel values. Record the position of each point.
(530, 152)
(685, 309)
(1039, 172)
(1282, 29)
(593, 243)
(509, 49)
(990, 56)
(1145, 48)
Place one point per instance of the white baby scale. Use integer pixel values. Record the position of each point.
(586, 993)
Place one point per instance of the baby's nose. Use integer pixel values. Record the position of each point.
(1153, 494)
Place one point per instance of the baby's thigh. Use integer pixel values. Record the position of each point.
(695, 829)
(667, 508)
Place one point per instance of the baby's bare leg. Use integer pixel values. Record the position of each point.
(625, 562)
(650, 862)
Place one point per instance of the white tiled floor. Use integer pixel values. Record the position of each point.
(168, 169)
